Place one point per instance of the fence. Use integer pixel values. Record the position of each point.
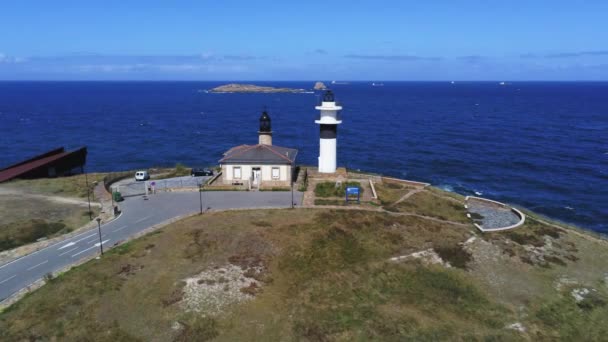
(115, 177)
(134, 188)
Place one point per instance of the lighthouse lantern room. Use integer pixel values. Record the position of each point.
(328, 121)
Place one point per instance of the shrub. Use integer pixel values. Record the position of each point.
(18, 234)
(455, 255)
(48, 277)
(329, 189)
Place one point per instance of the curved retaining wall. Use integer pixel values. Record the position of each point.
(409, 182)
(522, 217)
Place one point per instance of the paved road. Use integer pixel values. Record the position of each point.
(138, 214)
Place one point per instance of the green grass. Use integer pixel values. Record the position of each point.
(327, 278)
(303, 174)
(391, 191)
(275, 188)
(329, 189)
(72, 186)
(21, 233)
(321, 201)
(563, 318)
(179, 170)
(26, 219)
(429, 204)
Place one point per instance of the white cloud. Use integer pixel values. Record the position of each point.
(146, 67)
(10, 60)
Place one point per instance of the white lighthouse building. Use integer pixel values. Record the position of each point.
(328, 121)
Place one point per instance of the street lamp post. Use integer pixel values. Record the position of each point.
(86, 179)
(292, 171)
(99, 230)
(200, 195)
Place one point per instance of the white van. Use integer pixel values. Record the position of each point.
(142, 175)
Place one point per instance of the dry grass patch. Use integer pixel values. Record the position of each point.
(72, 186)
(317, 275)
(390, 192)
(430, 204)
(26, 219)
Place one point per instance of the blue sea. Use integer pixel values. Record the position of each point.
(543, 146)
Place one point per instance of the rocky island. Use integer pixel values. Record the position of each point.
(252, 88)
(320, 86)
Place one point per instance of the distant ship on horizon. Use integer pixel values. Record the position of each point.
(374, 84)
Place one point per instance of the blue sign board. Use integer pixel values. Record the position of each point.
(352, 191)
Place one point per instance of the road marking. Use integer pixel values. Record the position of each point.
(102, 242)
(83, 251)
(66, 245)
(55, 244)
(42, 263)
(86, 237)
(97, 239)
(95, 245)
(71, 250)
(142, 219)
(117, 229)
(7, 279)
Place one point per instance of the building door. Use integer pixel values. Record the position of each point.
(257, 176)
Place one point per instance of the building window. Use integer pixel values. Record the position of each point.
(236, 172)
(275, 173)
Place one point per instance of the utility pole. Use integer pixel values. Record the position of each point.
(99, 230)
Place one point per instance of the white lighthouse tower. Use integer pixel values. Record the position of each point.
(328, 121)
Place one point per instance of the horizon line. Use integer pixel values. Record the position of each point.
(316, 80)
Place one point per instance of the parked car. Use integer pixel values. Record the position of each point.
(201, 172)
(142, 175)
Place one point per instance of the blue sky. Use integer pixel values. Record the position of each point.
(312, 40)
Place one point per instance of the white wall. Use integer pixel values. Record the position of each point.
(246, 170)
(327, 155)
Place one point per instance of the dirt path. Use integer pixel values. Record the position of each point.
(56, 199)
(408, 195)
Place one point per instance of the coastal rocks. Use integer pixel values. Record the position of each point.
(252, 88)
(563, 282)
(211, 291)
(427, 257)
(579, 294)
(588, 298)
(319, 86)
(517, 326)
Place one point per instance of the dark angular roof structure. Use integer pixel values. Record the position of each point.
(260, 154)
(56, 162)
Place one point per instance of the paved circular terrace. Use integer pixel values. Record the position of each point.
(490, 215)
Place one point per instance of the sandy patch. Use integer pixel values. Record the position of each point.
(211, 291)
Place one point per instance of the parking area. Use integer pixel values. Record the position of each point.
(131, 187)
